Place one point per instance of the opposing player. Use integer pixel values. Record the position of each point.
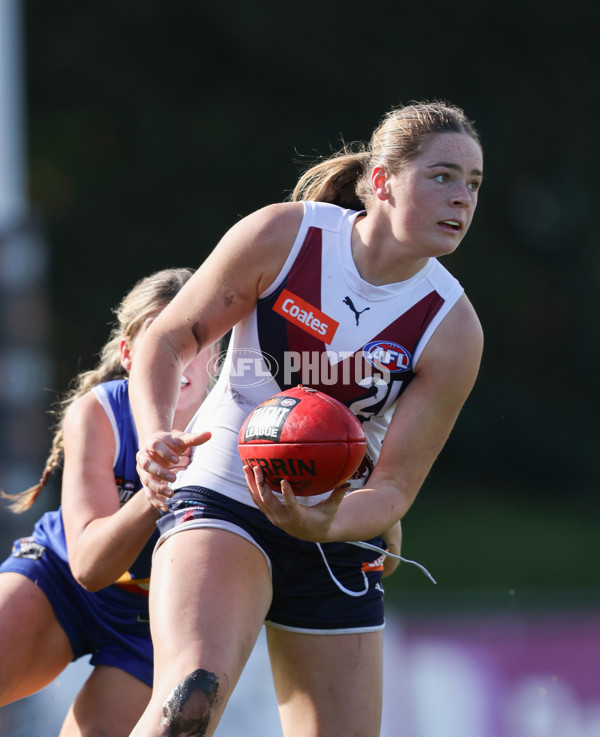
(105, 530)
(340, 289)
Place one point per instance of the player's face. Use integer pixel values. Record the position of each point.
(195, 377)
(194, 382)
(435, 194)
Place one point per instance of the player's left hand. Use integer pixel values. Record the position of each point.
(393, 542)
(306, 523)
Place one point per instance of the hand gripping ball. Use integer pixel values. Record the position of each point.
(305, 436)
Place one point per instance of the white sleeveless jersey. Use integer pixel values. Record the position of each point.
(321, 325)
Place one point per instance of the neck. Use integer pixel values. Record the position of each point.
(380, 258)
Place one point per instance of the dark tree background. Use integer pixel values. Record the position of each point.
(155, 124)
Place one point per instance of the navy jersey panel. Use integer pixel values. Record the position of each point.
(280, 337)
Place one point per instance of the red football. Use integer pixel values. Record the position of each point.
(305, 436)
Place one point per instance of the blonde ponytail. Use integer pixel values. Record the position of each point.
(344, 178)
(334, 179)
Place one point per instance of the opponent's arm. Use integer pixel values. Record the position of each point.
(103, 539)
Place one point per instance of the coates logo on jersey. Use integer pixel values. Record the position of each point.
(305, 316)
(386, 355)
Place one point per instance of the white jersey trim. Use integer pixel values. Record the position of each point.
(215, 524)
(310, 631)
(102, 397)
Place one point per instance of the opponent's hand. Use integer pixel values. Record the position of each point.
(159, 459)
(307, 523)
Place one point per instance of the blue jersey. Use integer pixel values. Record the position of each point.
(111, 624)
(114, 398)
(49, 530)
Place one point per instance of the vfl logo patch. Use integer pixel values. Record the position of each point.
(26, 547)
(305, 316)
(126, 490)
(267, 421)
(387, 356)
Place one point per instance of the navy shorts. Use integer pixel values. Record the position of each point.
(317, 588)
(110, 624)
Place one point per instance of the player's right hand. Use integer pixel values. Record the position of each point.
(159, 459)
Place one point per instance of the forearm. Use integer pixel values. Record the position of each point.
(369, 512)
(109, 545)
(154, 386)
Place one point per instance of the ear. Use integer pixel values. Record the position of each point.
(380, 183)
(125, 354)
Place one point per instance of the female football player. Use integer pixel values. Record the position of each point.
(79, 584)
(358, 247)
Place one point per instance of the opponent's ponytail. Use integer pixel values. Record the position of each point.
(147, 296)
